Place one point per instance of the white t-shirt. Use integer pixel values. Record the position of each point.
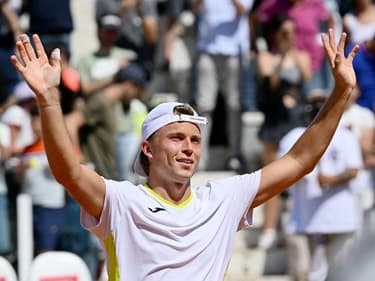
(39, 182)
(317, 210)
(15, 115)
(358, 118)
(150, 239)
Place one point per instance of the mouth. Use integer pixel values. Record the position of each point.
(185, 161)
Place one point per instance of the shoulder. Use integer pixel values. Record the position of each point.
(121, 188)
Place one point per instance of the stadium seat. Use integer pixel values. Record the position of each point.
(59, 266)
(7, 272)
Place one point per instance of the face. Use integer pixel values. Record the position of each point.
(108, 36)
(286, 33)
(174, 152)
(131, 91)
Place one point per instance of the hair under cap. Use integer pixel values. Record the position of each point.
(162, 115)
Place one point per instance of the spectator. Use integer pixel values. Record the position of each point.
(179, 48)
(282, 72)
(311, 17)
(97, 71)
(364, 66)
(361, 121)
(9, 31)
(139, 27)
(323, 204)
(359, 23)
(130, 113)
(17, 117)
(47, 195)
(5, 231)
(222, 46)
(52, 20)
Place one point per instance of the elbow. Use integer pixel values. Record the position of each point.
(67, 178)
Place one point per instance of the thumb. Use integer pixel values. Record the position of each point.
(55, 57)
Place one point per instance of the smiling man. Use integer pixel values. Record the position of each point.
(166, 229)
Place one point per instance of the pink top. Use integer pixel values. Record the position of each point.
(307, 15)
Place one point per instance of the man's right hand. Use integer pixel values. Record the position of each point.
(40, 74)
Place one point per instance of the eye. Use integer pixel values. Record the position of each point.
(176, 137)
(196, 140)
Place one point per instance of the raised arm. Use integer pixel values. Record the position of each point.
(43, 77)
(306, 152)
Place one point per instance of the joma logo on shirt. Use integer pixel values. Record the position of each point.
(156, 209)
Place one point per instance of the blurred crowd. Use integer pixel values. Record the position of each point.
(225, 57)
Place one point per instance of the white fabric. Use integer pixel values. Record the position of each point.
(221, 30)
(331, 210)
(192, 241)
(358, 118)
(39, 182)
(15, 115)
(359, 32)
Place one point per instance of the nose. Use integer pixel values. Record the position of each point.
(187, 146)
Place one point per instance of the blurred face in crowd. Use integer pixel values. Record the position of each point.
(108, 36)
(285, 35)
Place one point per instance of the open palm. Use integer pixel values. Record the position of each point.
(341, 66)
(33, 65)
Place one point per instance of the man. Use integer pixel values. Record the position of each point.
(223, 49)
(139, 27)
(97, 71)
(324, 207)
(165, 229)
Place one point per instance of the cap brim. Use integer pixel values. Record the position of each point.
(137, 167)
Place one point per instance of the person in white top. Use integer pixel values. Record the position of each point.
(361, 121)
(166, 229)
(5, 236)
(324, 205)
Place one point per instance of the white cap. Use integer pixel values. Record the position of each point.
(159, 117)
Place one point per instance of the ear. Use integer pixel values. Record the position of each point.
(146, 148)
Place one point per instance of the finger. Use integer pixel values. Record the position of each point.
(39, 46)
(55, 57)
(27, 45)
(328, 50)
(22, 52)
(16, 63)
(332, 40)
(342, 41)
(352, 53)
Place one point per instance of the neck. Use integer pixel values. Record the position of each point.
(175, 193)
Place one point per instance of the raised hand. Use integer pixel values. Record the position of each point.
(40, 73)
(341, 66)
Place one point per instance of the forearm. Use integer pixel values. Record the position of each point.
(320, 132)
(11, 19)
(90, 87)
(337, 180)
(59, 149)
(150, 29)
